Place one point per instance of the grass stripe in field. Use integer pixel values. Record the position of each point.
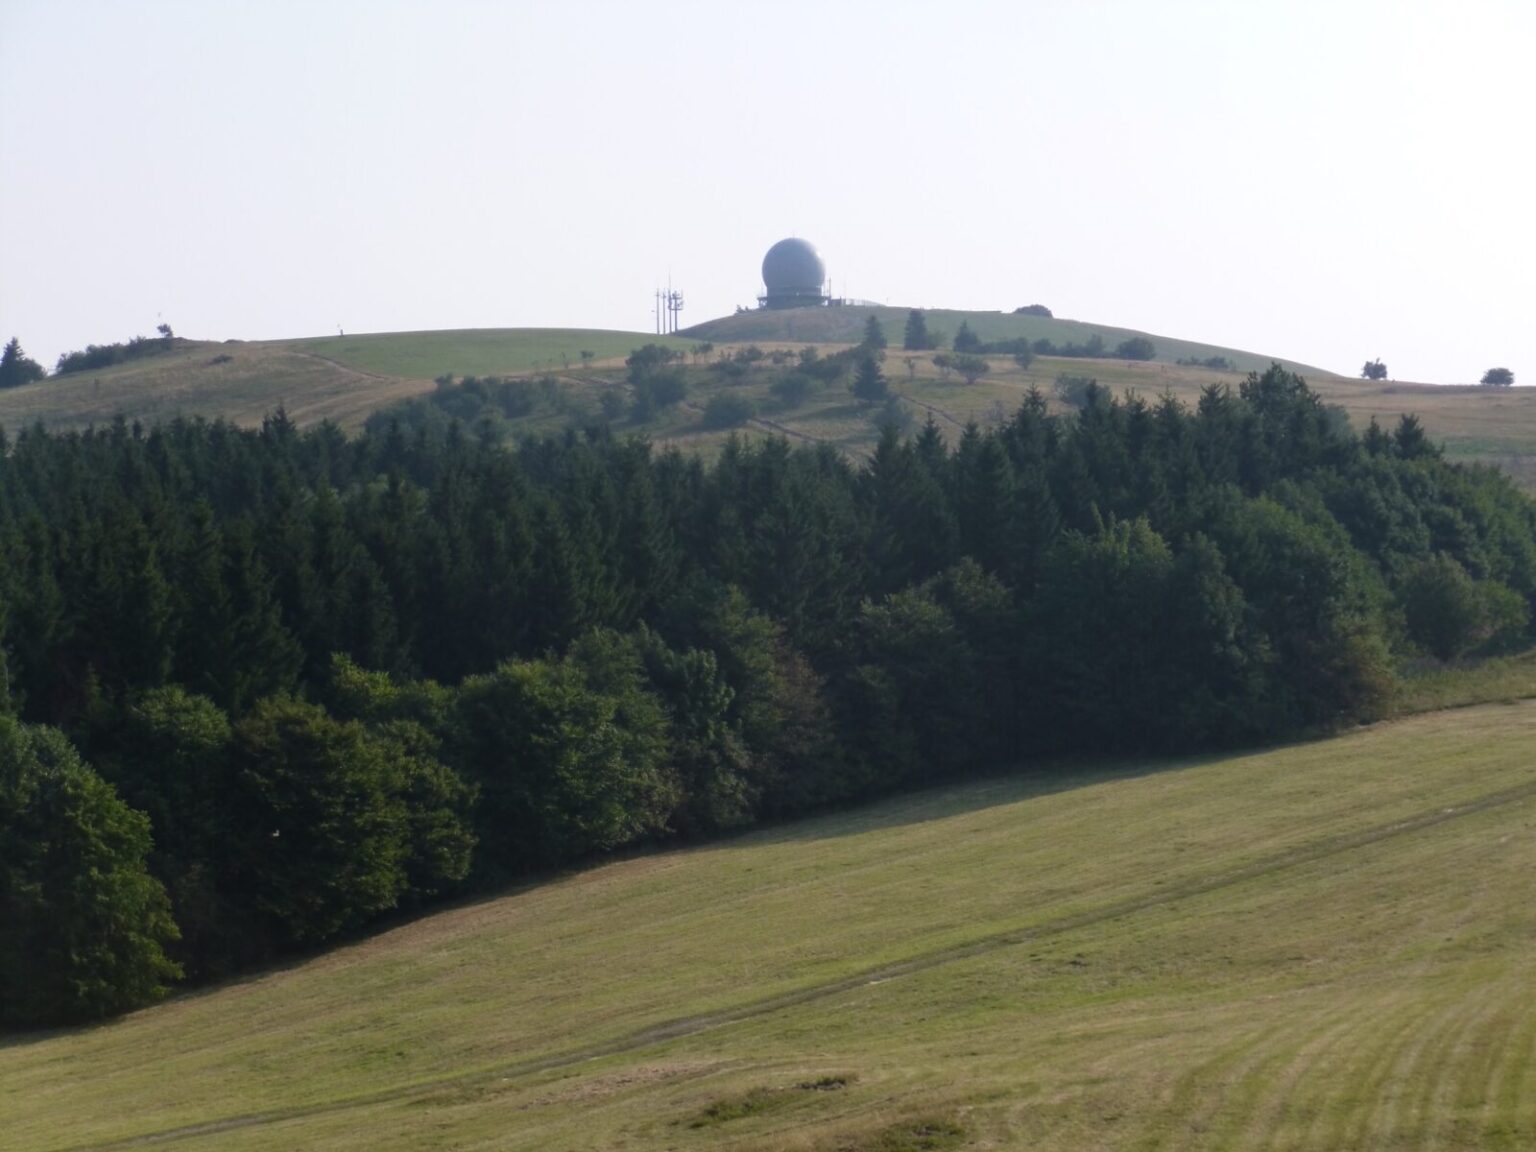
(1263, 1068)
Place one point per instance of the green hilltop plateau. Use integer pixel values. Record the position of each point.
(345, 379)
(1328, 945)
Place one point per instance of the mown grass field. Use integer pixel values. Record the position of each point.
(1329, 945)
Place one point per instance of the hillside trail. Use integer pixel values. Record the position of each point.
(688, 1026)
(762, 423)
(348, 368)
(931, 409)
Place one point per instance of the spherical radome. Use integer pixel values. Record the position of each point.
(793, 266)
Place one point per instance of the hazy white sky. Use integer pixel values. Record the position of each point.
(1325, 181)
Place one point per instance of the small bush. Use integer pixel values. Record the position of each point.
(973, 368)
(649, 358)
(727, 410)
(612, 405)
(791, 389)
(1091, 348)
(1033, 310)
(752, 1103)
(1136, 348)
(657, 390)
(1074, 390)
(1006, 347)
(927, 1134)
(826, 1083)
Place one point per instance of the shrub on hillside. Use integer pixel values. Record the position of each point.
(1074, 391)
(727, 410)
(791, 389)
(1092, 348)
(97, 356)
(972, 368)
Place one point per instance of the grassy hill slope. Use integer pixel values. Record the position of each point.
(1476, 425)
(845, 325)
(346, 378)
(1330, 945)
(340, 378)
(477, 351)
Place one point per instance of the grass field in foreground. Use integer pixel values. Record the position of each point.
(1329, 945)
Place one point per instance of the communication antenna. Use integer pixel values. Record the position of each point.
(668, 303)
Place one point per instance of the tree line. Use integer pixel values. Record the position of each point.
(261, 687)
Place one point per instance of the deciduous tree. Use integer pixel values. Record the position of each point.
(83, 925)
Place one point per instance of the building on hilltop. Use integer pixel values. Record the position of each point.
(794, 276)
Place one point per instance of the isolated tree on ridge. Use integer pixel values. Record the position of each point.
(16, 368)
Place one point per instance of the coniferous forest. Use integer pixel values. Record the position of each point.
(260, 688)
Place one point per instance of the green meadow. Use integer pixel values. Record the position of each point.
(476, 351)
(1326, 945)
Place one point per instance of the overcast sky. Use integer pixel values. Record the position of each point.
(1329, 182)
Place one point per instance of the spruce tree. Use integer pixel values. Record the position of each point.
(916, 338)
(869, 385)
(874, 336)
